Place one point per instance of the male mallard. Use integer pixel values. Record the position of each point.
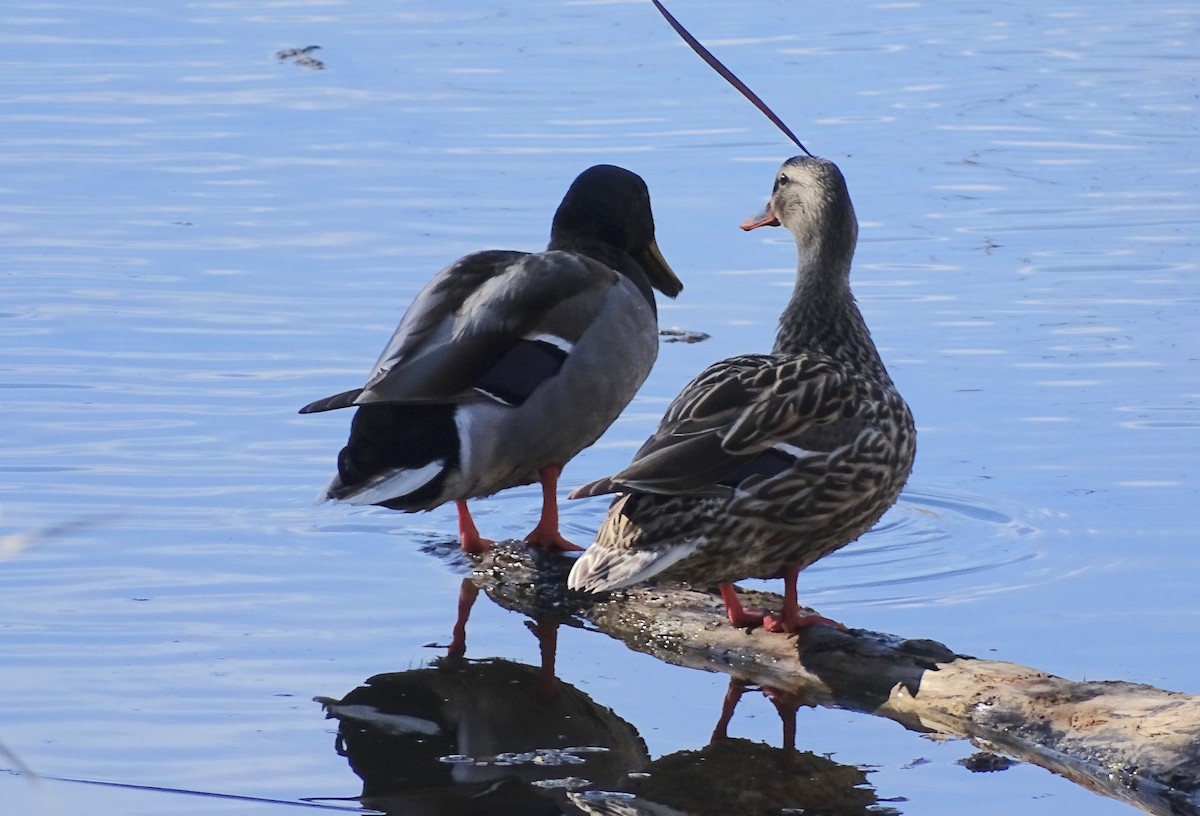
(508, 364)
(767, 462)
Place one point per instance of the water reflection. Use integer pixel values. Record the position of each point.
(544, 628)
(464, 737)
(479, 736)
(473, 736)
(738, 776)
(920, 542)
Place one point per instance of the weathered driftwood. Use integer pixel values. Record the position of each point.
(1132, 742)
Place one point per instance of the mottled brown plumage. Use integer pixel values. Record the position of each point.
(767, 462)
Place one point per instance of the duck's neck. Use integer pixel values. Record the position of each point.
(607, 254)
(822, 315)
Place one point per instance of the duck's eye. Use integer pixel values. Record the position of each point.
(782, 180)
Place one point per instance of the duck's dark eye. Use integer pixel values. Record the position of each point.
(782, 180)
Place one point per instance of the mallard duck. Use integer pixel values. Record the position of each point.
(767, 462)
(507, 364)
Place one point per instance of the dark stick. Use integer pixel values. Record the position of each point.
(729, 76)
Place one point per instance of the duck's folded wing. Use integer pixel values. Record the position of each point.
(743, 417)
(490, 326)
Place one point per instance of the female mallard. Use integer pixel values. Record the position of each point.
(767, 462)
(508, 364)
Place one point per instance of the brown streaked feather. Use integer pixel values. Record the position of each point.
(734, 410)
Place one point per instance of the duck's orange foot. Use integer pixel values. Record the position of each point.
(475, 544)
(550, 540)
(739, 617)
(545, 536)
(745, 619)
(797, 622)
(468, 535)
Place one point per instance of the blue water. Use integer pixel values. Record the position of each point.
(196, 238)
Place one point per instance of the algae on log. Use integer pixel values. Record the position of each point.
(1132, 742)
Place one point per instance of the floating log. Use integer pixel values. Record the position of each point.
(1128, 741)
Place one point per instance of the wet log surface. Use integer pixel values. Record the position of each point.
(1128, 741)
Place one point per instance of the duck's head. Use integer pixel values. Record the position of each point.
(611, 205)
(810, 199)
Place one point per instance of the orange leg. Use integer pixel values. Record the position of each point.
(545, 535)
(738, 616)
(787, 704)
(468, 535)
(467, 594)
(547, 635)
(791, 620)
(732, 695)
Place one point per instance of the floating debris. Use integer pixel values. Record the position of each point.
(553, 756)
(570, 783)
(600, 796)
(301, 56)
(682, 336)
(547, 757)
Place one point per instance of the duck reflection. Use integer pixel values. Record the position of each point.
(739, 776)
(545, 629)
(466, 737)
(742, 777)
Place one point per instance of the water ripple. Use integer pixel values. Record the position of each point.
(935, 547)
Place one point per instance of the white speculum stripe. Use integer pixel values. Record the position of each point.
(552, 339)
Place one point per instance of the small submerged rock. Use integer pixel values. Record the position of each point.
(986, 762)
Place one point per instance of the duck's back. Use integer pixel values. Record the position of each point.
(504, 363)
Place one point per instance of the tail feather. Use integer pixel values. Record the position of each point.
(600, 487)
(607, 567)
(342, 400)
(397, 487)
(398, 456)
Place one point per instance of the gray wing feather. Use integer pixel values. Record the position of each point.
(474, 310)
(457, 334)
